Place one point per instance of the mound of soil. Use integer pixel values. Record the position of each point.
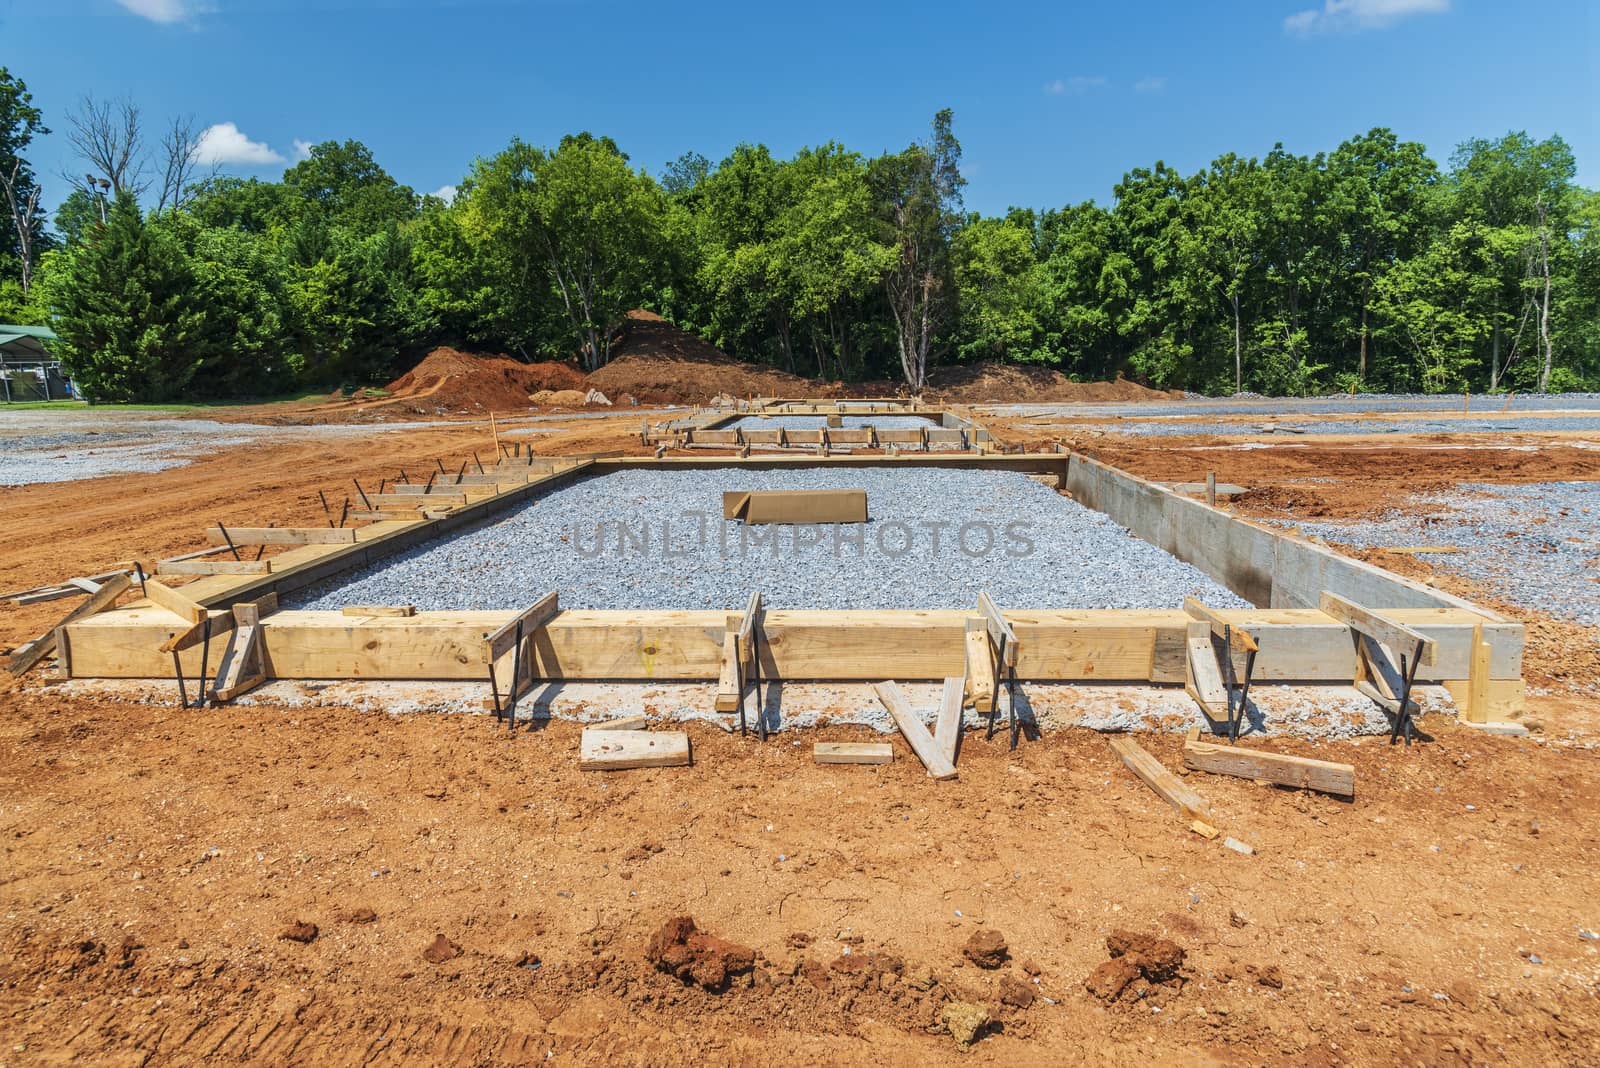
(987, 382)
(683, 950)
(453, 380)
(657, 363)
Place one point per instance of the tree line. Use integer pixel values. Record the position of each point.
(1367, 267)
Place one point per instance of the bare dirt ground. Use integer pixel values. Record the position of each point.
(324, 886)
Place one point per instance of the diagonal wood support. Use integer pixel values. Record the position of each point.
(101, 599)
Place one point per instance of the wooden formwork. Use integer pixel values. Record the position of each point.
(1297, 634)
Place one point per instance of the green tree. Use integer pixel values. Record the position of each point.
(919, 206)
(1220, 246)
(342, 185)
(1000, 287)
(131, 323)
(22, 234)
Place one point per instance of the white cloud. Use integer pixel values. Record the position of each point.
(1078, 83)
(225, 143)
(1359, 14)
(1149, 85)
(446, 193)
(302, 149)
(164, 11)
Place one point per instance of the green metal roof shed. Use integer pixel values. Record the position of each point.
(25, 343)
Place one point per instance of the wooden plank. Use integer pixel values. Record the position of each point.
(243, 662)
(747, 622)
(213, 567)
(283, 536)
(852, 753)
(915, 732)
(499, 642)
(947, 728)
(796, 506)
(177, 603)
(221, 623)
(1237, 636)
(1324, 776)
(1204, 681)
(41, 646)
(729, 677)
(1167, 786)
(979, 666)
(396, 611)
(1380, 628)
(999, 629)
(1477, 709)
(409, 500)
(608, 750)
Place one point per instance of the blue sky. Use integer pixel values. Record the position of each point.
(1053, 101)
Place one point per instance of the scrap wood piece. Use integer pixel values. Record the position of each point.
(530, 619)
(164, 596)
(1380, 628)
(947, 729)
(979, 666)
(1237, 637)
(1304, 773)
(243, 664)
(213, 567)
(1167, 786)
(609, 750)
(99, 601)
(1203, 680)
(916, 733)
(852, 753)
(1000, 631)
(622, 723)
(281, 536)
(221, 623)
(796, 506)
(738, 651)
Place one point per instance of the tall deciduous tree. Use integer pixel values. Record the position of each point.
(20, 123)
(919, 197)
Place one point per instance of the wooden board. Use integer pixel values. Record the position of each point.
(499, 642)
(1400, 638)
(1304, 773)
(979, 666)
(1000, 631)
(413, 500)
(730, 679)
(397, 611)
(179, 604)
(47, 642)
(221, 623)
(213, 567)
(1236, 636)
(283, 536)
(947, 729)
(915, 732)
(608, 750)
(242, 666)
(623, 723)
(1167, 786)
(852, 753)
(1204, 681)
(796, 506)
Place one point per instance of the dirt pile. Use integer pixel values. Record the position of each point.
(987, 382)
(1143, 963)
(682, 950)
(452, 380)
(657, 363)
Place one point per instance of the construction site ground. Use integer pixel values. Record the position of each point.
(320, 884)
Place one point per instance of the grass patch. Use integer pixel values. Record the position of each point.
(175, 406)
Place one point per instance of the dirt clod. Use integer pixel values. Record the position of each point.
(986, 949)
(1015, 992)
(441, 949)
(681, 949)
(965, 1021)
(299, 931)
(1134, 957)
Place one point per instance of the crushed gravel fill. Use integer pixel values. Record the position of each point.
(657, 540)
(817, 422)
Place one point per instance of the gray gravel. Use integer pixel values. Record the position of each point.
(1166, 426)
(1537, 545)
(1340, 404)
(1060, 555)
(817, 422)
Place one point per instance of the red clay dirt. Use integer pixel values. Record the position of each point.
(151, 856)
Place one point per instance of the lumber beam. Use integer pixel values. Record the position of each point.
(947, 728)
(729, 677)
(796, 506)
(221, 623)
(1000, 631)
(499, 642)
(243, 664)
(283, 536)
(177, 603)
(612, 750)
(1236, 636)
(1167, 786)
(1324, 776)
(1204, 679)
(852, 753)
(1380, 628)
(395, 611)
(915, 731)
(213, 567)
(101, 599)
(979, 665)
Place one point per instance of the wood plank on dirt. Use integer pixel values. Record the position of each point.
(852, 753)
(1167, 786)
(101, 599)
(947, 729)
(915, 732)
(1324, 776)
(609, 750)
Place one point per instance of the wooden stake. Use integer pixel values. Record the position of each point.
(1166, 785)
(916, 733)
